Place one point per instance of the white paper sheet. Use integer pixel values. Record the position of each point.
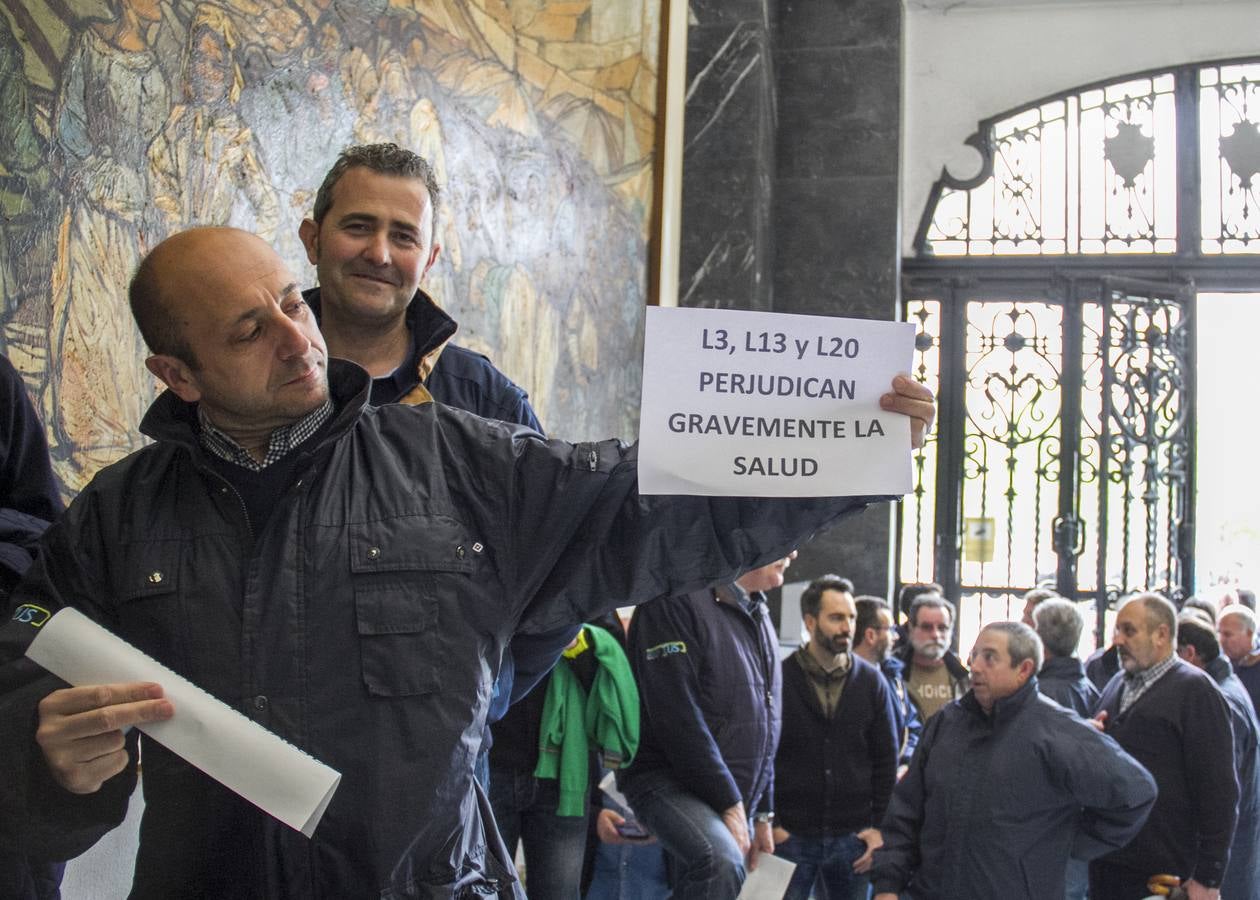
(752, 404)
(769, 881)
(240, 754)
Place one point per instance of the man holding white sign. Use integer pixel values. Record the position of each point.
(346, 576)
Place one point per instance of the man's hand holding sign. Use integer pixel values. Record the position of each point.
(761, 404)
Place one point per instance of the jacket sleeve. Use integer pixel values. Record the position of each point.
(897, 860)
(581, 540)
(1211, 779)
(883, 744)
(26, 476)
(1115, 791)
(913, 728)
(665, 649)
(47, 820)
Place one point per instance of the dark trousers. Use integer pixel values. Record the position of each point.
(1108, 882)
(555, 845)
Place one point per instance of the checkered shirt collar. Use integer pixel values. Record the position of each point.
(1138, 683)
(283, 440)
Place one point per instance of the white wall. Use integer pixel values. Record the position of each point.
(964, 64)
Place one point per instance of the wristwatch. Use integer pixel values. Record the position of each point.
(767, 817)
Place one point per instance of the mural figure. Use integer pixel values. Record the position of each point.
(112, 100)
(205, 164)
(123, 120)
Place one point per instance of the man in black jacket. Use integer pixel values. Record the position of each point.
(343, 574)
(372, 238)
(1174, 721)
(1006, 785)
(837, 759)
(707, 666)
(1197, 644)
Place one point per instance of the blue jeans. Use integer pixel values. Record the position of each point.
(708, 864)
(555, 846)
(825, 866)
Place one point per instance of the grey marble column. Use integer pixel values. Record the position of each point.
(728, 165)
(836, 229)
(790, 194)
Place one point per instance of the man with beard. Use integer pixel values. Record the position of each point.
(1174, 721)
(873, 641)
(837, 758)
(934, 673)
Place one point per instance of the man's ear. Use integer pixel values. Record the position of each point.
(176, 375)
(1026, 669)
(308, 231)
(433, 255)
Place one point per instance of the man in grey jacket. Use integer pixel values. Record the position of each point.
(346, 576)
(1005, 786)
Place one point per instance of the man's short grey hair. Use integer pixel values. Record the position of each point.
(1237, 609)
(1059, 624)
(933, 601)
(1021, 643)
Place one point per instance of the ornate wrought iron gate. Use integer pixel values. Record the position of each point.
(1065, 452)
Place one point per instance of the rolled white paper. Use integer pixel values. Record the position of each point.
(240, 754)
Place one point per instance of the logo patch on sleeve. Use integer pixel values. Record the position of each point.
(30, 614)
(669, 648)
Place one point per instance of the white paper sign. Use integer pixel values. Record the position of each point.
(240, 754)
(752, 404)
(769, 881)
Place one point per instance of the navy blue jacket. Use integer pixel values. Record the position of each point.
(1244, 855)
(833, 776)
(414, 543)
(1179, 730)
(710, 694)
(909, 725)
(994, 805)
(469, 381)
(1062, 679)
(28, 492)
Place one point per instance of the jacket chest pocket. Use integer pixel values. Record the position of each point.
(402, 570)
(150, 612)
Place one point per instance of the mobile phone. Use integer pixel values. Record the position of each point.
(631, 830)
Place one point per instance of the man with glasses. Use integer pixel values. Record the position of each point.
(934, 673)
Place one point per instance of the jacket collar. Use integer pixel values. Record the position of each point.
(1005, 709)
(171, 420)
(430, 327)
(1220, 669)
(1065, 667)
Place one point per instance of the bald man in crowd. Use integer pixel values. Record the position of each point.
(1173, 720)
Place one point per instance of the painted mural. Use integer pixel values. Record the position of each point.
(122, 121)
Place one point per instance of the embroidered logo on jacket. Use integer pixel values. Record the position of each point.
(30, 614)
(667, 649)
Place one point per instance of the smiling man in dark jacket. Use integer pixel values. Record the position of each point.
(346, 576)
(1005, 786)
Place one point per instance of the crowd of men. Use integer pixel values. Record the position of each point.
(378, 577)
